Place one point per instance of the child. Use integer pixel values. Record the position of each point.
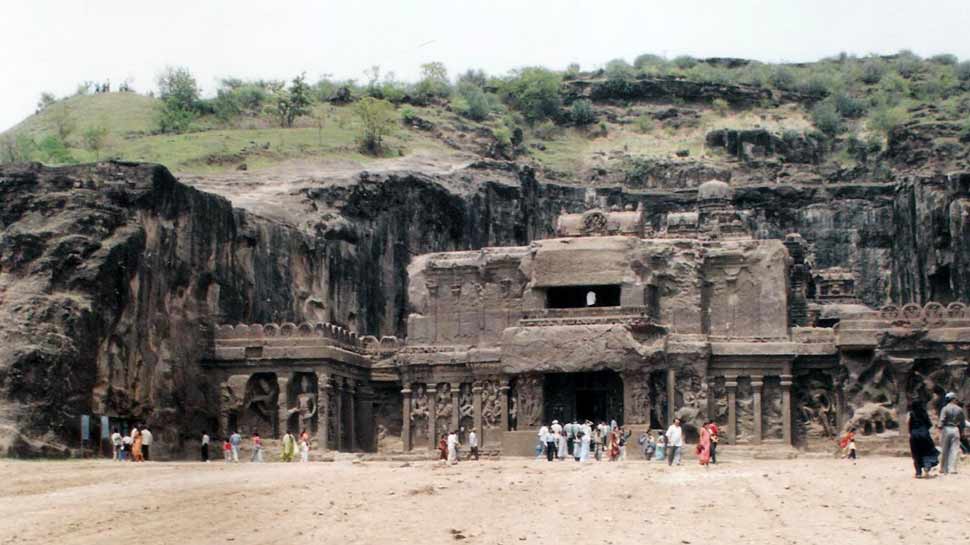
(304, 449)
(227, 450)
(847, 444)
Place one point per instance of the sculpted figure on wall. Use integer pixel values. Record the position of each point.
(639, 389)
(444, 407)
(528, 392)
(262, 391)
(306, 403)
(491, 405)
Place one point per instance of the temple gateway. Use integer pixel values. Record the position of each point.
(616, 318)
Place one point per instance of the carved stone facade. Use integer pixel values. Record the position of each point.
(619, 318)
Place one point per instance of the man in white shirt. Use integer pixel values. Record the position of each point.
(675, 442)
(556, 431)
(473, 444)
(453, 447)
(543, 434)
(146, 442)
(116, 445)
(205, 447)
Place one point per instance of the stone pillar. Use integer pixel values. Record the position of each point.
(731, 384)
(323, 411)
(365, 418)
(351, 392)
(477, 408)
(671, 395)
(840, 405)
(786, 381)
(757, 387)
(283, 405)
(432, 391)
(406, 418)
(338, 417)
(455, 407)
(504, 400)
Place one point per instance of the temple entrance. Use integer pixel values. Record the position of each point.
(596, 396)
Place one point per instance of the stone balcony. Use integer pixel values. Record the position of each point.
(629, 315)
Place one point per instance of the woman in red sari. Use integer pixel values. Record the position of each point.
(443, 447)
(704, 446)
(614, 443)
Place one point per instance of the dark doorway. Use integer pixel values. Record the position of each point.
(596, 396)
(583, 296)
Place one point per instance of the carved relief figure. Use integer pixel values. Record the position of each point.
(419, 411)
(529, 395)
(262, 392)
(306, 404)
(491, 405)
(443, 408)
(636, 413)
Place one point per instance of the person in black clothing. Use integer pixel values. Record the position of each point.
(925, 455)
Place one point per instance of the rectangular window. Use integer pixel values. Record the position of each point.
(583, 296)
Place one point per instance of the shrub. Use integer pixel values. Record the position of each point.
(783, 78)
(946, 59)
(893, 88)
(408, 114)
(94, 139)
(826, 118)
(433, 83)
(289, 104)
(377, 121)
(818, 85)
(474, 102)
(178, 88)
(547, 130)
(872, 71)
(46, 100)
(962, 71)
(52, 149)
(886, 118)
(646, 123)
(477, 78)
(849, 107)
(582, 113)
(534, 91)
(62, 121)
(684, 62)
(721, 106)
(907, 63)
(648, 59)
(16, 148)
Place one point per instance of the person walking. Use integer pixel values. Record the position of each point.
(289, 447)
(675, 442)
(921, 447)
(715, 432)
(227, 450)
(116, 445)
(556, 430)
(704, 446)
(235, 440)
(549, 438)
(453, 447)
(205, 447)
(257, 448)
(847, 444)
(952, 422)
(304, 448)
(561, 446)
(146, 443)
(613, 444)
(125, 452)
(473, 445)
(136, 447)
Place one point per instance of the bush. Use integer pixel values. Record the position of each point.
(684, 62)
(818, 85)
(582, 113)
(648, 59)
(721, 106)
(547, 130)
(474, 102)
(908, 64)
(962, 71)
(53, 150)
(16, 149)
(46, 99)
(178, 88)
(872, 71)
(646, 123)
(477, 78)
(94, 139)
(946, 59)
(826, 117)
(783, 78)
(886, 118)
(849, 107)
(433, 83)
(378, 121)
(893, 88)
(291, 103)
(408, 115)
(535, 92)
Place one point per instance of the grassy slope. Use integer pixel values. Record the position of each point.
(130, 119)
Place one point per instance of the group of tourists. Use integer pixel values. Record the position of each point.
(952, 423)
(134, 446)
(232, 445)
(449, 446)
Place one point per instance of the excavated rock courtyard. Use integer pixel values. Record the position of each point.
(512, 501)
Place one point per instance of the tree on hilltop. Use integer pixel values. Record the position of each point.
(289, 104)
(378, 121)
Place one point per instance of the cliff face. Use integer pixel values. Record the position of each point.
(111, 275)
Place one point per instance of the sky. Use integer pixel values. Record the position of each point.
(52, 45)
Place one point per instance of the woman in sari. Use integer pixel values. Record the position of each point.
(136, 447)
(443, 447)
(289, 447)
(614, 445)
(563, 446)
(704, 446)
(921, 447)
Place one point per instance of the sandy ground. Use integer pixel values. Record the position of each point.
(511, 501)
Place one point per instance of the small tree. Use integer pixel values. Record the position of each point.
(62, 121)
(94, 139)
(582, 113)
(46, 99)
(535, 92)
(293, 102)
(378, 121)
(16, 149)
(178, 88)
(826, 117)
(433, 83)
(962, 71)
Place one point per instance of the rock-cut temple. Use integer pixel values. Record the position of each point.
(613, 319)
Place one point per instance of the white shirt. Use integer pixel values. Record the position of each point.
(146, 437)
(205, 438)
(544, 434)
(116, 439)
(472, 439)
(675, 436)
(452, 441)
(556, 429)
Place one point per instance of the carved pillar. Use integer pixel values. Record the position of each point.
(786, 381)
(351, 392)
(338, 417)
(477, 408)
(406, 418)
(840, 405)
(323, 411)
(731, 384)
(671, 394)
(757, 386)
(504, 401)
(902, 367)
(283, 405)
(432, 391)
(455, 407)
(364, 412)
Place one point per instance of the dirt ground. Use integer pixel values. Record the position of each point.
(802, 501)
